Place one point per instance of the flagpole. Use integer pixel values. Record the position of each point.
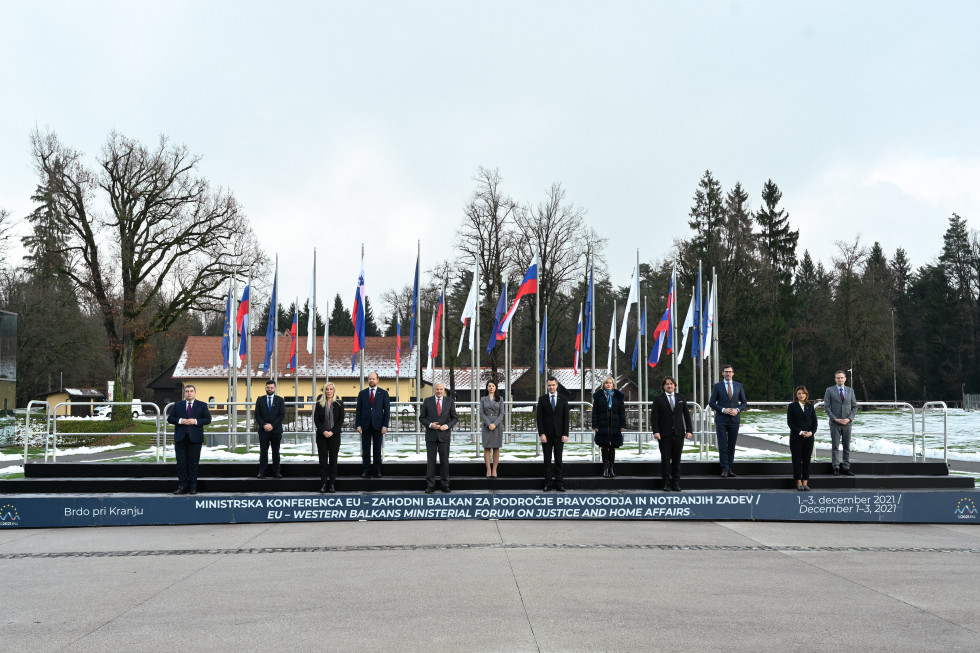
(442, 336)
(364, 299)
(673, 321)
(326, 349)
(248, 366)
(418, 346)
(715, 322)
(612, 345)
(537, 336)
(398, 368)
(639, 337)
(227, 362)
(510, 394)
(544, 330)
(475, 386)
(233, 430)
(311, 333)
(642, 362)
(581, 370)
(275, 331)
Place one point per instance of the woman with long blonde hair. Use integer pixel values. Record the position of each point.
(328, 420)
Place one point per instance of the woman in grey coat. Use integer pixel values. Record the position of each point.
(492, 417)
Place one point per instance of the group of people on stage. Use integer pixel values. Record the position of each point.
(670, 419)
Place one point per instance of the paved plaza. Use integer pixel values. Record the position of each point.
(493, 586)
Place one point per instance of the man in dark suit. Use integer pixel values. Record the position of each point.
(270, 411)
(438, 416)
(841, 406)
(728, 401)
(553, 425)
(189, 418)
(371, 416)
(671, 421)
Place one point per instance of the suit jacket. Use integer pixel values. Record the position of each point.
(320, 418)
(719, 401)
(801, 419)
(429, 419)
(199, 411)
(265, 416)
(372, 418)
(552, 423)
(835, 408)
(676, 422)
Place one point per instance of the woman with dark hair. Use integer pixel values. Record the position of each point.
(608, 422)
(328, 419)
(802, 421)
(491, 417)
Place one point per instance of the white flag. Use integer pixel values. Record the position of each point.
(612, 343)
(432, 325)
(469, 313)
(632, 299)
(311, 307)
(688, 324)
(711, 322)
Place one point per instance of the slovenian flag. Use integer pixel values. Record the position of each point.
(578, 343)
(529, 286)
(292, 344)
(242, 321)
(357, 316)
(497, 317)
(659, 335)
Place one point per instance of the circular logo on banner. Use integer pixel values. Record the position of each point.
(965, 509)
(9, 516)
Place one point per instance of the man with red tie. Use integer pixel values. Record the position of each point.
(371, 416)
(438, 416)
(189, 418)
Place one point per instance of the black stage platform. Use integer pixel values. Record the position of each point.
(61, 478)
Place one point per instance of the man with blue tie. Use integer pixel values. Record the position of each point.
(841, 405)
(270, 411)
(728, 401)
(552, 418)
(189, 418)
(371, 416)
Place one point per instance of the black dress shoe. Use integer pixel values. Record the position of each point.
(430, 490)
(181, 490)
(193, 490)
(445, 488)
(836, 471)
(612, 471)
(847, 472)
(323, 489)
(731, 473)
(365, 475)
(806, 488)
(560, 488)
(675, 487)
(548, 487)
(278, 474)
(724, 473)
(378, 475)
(332, 488)
(261, 475)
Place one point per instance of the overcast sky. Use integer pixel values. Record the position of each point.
(372, 118)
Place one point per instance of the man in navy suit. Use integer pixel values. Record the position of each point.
(189, 418)
(371, 416)
(270, 411)
(552, 417)
(728, 401)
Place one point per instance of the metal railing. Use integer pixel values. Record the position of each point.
(934, 406)
(53, 432)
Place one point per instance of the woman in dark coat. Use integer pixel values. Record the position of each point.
(608, 422)
(802, 420)
(328, 420)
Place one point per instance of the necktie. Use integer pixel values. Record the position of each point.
(270, 402)
(189, 404)
(671, 397)
(438, 406)
(729, 384)
(842, 395)
(552, 403)
(372, 396)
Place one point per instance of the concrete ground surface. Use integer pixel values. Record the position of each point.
(493, 586)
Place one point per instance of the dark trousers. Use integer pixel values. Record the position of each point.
(371, 439)
(431, 448)
(671, 447)
(727, 433)
(327, 450)
(553, 447)
(801, 449)
(267, 438)
(188, 457)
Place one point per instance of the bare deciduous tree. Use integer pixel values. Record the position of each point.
(152, 239)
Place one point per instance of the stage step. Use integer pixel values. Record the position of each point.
(234, 478)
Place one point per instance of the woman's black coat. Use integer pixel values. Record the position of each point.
(609, 420)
